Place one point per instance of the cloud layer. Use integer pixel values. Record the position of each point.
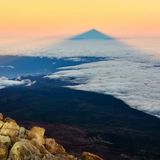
(5, 82)
(135, 82)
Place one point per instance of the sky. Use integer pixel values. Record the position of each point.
(67, 17)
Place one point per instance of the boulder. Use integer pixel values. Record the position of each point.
(22, 132)
(10, 128)
(5, 141)
(3, 153)
(90, 156)
(37, 134)
(24, 150)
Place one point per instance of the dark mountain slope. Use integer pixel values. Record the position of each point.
(106, 125)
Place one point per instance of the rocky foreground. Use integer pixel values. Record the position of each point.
(18, 143)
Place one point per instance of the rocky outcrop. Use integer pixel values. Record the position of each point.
(37, 134)
(18, 143)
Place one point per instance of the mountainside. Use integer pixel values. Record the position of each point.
(92, 34)
(18, 143)
(84, 121)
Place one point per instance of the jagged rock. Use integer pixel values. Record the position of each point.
(5, 140)
(24, 150)
(53, 147)
(5, 143)
(22, 132)
(41, 148)
(90, 156)
(18, 143)
(37, 134)
(1, 116)
(10, 128)
(1, 124)
(3, 153)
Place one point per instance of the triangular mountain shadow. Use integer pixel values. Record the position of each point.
(91, 35)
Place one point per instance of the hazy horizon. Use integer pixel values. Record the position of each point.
(14, 45)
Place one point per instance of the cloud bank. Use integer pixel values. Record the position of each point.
(5, 82)
(135, 82)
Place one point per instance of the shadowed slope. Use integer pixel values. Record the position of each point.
(92, 34)
(111, 127)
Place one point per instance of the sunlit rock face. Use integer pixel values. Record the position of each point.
(18, 143)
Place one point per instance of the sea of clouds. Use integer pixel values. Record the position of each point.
(128, 73)
(135, 83)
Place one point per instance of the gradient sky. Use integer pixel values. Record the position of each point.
(65, 17)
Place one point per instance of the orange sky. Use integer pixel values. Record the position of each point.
(65, 17)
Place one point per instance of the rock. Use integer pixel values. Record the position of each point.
(37, 134)
(3, 153)
(1, 124)
(18, 143)
(41, 148)
(10, 129)
(53, 147)
(24, 150)
(5, 141)
(1, 116)
(22, 132)
(90, 156)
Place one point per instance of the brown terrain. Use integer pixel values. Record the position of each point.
(19, 143)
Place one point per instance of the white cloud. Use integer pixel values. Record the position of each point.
(5, 82)
(129, 76)
(132, 81)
